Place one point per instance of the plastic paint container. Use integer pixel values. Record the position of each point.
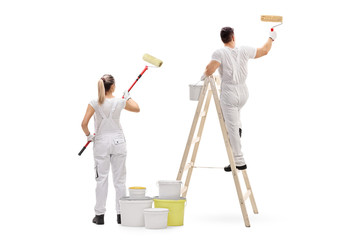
(156, 218)
(132, 211)
(176, 210)
(137, 192)
(169, 189)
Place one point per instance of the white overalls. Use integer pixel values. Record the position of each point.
(109, 148)
(234, 92)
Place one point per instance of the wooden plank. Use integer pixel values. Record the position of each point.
(195, 140)
(203, 114)
(247, 194)
(188, 165)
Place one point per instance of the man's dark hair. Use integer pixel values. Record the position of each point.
(226, 34)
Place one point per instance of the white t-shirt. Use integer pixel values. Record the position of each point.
(233, 59)
(106, 108)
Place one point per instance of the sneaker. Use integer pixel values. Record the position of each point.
(228, 168)
(99, 219)
(119, 219)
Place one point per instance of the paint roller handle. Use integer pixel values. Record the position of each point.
(140, 75)
(83, 149)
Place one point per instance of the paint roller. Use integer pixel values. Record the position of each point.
(272, 18)
(148, 58)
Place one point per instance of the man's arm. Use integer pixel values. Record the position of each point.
(211, 67)
(260, 52)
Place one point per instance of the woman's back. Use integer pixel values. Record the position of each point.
(106, 108)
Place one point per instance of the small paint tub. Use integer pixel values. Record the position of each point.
(156, 218)
(169, 189)
(195, 91)
(137, 192)
(132, 211)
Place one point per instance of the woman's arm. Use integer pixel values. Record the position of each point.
(132, 106)
(84, 125)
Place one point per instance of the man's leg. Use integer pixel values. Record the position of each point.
(232, 121)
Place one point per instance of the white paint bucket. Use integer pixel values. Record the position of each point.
(169, 189)
(137, 192)
(195, 91)
(156, 218)
(132, 211)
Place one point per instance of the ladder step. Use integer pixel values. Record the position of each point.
(247, 194)
(208, 167)
(203, 114)
(195, 140)
(188, 165)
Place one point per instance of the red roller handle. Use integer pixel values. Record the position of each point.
(146, 68)
(83, 149)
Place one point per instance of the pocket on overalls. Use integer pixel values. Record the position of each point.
(119, 146)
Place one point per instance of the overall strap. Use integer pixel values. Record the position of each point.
(98, 108)
(107, 120)
(233, 63)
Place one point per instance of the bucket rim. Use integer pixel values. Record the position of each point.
(156, 210)
(169, 181)
(181, 199)
(131, 199)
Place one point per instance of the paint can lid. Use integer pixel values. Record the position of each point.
(137, 187)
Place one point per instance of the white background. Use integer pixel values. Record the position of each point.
(300, 125)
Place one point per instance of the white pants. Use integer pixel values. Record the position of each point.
(233, 125)
(109, 149)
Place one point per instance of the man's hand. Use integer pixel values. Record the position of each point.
(203, 77)
(272, 35)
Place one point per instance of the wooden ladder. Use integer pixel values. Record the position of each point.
(201, 112)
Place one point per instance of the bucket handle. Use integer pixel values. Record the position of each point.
(197, 82)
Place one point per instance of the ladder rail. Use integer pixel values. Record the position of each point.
(196, 147)
(192, 129)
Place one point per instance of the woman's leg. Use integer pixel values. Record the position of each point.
(102, 166)
(118, 160)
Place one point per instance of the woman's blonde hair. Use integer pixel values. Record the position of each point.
(104, 86)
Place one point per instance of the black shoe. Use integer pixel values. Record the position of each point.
(99, 219)
(119, 219)
(228, 168)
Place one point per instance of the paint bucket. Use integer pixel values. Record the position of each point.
(132, 211)
(156, 218)
(176, 210)
(195, 90)
(137, 192)
(169, 189)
